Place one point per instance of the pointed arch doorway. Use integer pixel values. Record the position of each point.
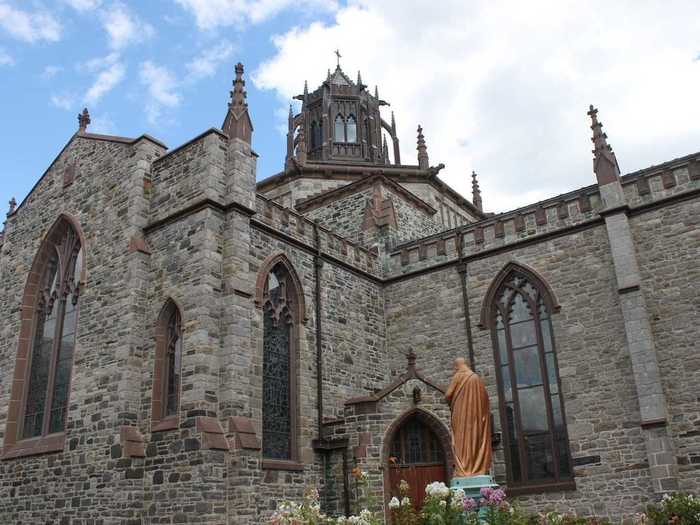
(418, 451)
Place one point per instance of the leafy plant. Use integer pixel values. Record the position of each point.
(676, 509)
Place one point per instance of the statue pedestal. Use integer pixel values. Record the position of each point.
(472, 485)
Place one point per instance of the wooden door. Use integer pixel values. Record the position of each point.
(417, 477)
(418, 458)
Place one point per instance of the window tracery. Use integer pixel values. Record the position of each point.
(279, 340)
(532, 412)
(53, 343)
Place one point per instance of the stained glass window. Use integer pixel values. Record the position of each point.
(54, 337)
(278, 410)
(532, 411)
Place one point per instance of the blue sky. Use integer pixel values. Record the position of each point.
(500, 88)
(49, 75)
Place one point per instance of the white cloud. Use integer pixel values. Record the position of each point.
(504, 88)
(111, 74)
(5, 58)
(102, 124)
(161, 85)
(51, 71)
(63, 101)
(84, 5)
(211, 14)
(29, 26)
(206, 63)
(123, 27)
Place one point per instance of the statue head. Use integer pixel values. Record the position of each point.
(460, 365)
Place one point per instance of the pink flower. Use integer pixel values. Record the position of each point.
(469, 504)
(486, 492)
(497, 496)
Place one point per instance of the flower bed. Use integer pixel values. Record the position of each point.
(445, 506)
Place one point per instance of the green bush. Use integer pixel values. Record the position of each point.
(676, 509)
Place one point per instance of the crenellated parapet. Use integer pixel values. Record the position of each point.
(676, 179)
(663, 181)
(301, 231)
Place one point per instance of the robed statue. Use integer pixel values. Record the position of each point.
(470, 422)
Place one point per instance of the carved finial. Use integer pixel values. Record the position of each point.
(393, 124)
(238, 95)
(376, 92)
(328, 78)
(237, 123)
(411, 358)
(338, 55)
(385, 150)
(83, 120)
(476, 192)
(605, 164)
(423, 161)
(359, 78)
(13, 206)
(291, 113)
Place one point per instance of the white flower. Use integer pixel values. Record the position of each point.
(405, 502)
(437, 489)
(443, 503)
(394, 503)
(458, 494)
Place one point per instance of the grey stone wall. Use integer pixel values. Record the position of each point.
(450, 213)
(189, 174)
(345, 217)
(146, 241)
(599, 395)
(667, 246)
(106, 197)
(301, 188)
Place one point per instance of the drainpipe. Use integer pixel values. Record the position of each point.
(462, 270)
(318, 264)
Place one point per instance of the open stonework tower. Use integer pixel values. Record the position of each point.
(182, 343)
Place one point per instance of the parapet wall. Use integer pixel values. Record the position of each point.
(579, 208)
(299, 228)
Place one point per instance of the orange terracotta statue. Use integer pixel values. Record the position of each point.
(471, 422)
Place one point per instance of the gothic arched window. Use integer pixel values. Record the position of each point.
(165, 403)
(339, 129)
(531, 404)
(39, 398)
(351, 129)
(282, 305)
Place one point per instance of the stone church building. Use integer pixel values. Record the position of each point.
(182, 344)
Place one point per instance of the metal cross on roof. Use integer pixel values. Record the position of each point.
(338, 55)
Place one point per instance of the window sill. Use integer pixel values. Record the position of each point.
(35, 446)
(522, 490)
(281, 464)
(168, 423)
